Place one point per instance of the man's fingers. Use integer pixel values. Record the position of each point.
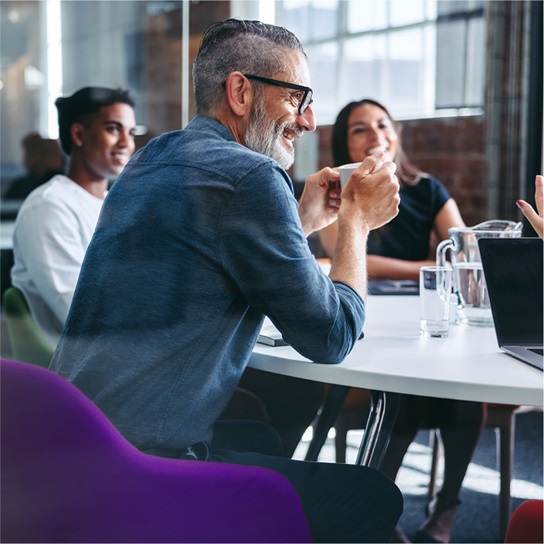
(372, 163)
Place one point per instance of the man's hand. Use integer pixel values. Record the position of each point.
(320, 200)
(372, 194)
(369, 200)
(536, 219)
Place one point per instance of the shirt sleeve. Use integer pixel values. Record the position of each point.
(49, 242)
(439, 195)
(264, 249)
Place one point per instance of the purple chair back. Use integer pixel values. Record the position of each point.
(68, 475)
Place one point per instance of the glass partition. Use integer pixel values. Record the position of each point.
(55, 47)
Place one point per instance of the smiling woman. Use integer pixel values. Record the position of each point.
(397, 251)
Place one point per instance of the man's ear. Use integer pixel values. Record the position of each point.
(76, 132)
(239, 94)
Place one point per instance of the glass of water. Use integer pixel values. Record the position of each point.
(434, 296)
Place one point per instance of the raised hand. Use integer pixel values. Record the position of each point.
(536, 218)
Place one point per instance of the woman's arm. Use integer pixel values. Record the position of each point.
(449, 216)
(396, 269)
(387, 268)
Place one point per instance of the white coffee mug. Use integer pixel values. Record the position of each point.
(346, 171)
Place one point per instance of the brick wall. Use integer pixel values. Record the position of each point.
(453, 150)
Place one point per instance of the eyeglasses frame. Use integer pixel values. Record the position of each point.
(307, 99)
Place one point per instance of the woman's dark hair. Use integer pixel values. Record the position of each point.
(88, 100)
(406, 172)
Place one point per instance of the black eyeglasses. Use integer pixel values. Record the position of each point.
(303, 102)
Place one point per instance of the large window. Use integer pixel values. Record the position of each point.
(420, 57)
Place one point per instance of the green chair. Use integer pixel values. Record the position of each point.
(28, 342)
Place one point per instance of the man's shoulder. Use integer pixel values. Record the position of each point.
(207, 144)
(59, 192)
(206, 150)
(218, 139)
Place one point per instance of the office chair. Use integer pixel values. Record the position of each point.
(68, 475)
(28, 342)
(527, 523)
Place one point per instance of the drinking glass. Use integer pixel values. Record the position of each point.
(434, 296)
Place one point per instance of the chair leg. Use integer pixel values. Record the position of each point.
(505, 451)
(329, 412)
(340, 443)
(434, 442)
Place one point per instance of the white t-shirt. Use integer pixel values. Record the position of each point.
(52, 232)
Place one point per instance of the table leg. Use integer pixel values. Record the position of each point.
(381, 418)
(331, 407)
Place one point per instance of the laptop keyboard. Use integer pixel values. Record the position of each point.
(538, 351)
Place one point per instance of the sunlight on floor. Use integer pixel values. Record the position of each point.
(413, 476)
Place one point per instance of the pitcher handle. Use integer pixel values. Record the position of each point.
(441, 251)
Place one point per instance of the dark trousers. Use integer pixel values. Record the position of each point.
(342, 503)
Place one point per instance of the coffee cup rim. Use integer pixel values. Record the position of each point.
(352, 165)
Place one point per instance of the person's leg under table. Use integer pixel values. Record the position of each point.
(460, 424)
(342, 503)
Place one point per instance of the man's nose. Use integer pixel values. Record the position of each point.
(307, 119)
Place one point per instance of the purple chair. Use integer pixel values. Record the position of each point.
(68, 475)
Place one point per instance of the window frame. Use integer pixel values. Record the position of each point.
(435, 14)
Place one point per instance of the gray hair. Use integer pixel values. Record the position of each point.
(251, 47)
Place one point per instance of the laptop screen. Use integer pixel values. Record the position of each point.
(513, 274)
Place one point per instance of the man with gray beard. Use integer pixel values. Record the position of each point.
(200, 237)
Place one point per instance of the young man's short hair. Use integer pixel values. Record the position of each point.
(88, 100)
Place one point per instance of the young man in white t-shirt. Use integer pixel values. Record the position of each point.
(57, 220)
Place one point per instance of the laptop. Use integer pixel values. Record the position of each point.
(513, 274)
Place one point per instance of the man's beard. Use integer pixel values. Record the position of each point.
(264, 134)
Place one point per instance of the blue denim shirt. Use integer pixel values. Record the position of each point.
(198, 238)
